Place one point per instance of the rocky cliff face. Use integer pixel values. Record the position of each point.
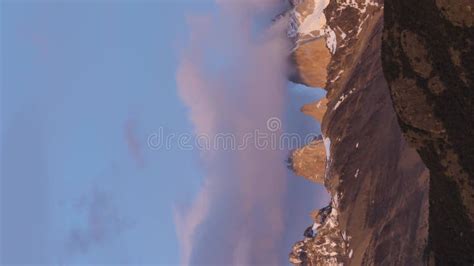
(379, 185)
(428, 59)
(308, 29)
(310, 161)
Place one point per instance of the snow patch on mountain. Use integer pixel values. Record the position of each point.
(327, 145)
(329, 246)
(304, 27)
(362, 6)
(342, 98)
(331, 41)
(315, 21)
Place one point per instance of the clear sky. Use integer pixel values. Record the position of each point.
(83, 85)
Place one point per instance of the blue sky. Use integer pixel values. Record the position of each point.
(83, 85)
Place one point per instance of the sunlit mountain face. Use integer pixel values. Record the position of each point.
(387, 131)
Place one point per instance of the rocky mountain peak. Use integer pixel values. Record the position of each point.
(378, 184)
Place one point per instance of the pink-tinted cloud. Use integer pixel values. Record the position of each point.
(233, 80)
(187, 220)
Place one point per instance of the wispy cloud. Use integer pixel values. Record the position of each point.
(133, 143)
(187, 220)
(102, 222)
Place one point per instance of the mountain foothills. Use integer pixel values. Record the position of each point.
(396, 156)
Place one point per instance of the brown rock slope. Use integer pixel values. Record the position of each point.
(379, 185)
(428, 55)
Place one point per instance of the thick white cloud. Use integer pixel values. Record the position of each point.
(233, 79)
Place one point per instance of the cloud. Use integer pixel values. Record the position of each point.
(233, 78)
(133, 144)
(102, 222)
(188, 220)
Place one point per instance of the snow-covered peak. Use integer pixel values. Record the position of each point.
(330, 244)
(314, 21)
(308, 23)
